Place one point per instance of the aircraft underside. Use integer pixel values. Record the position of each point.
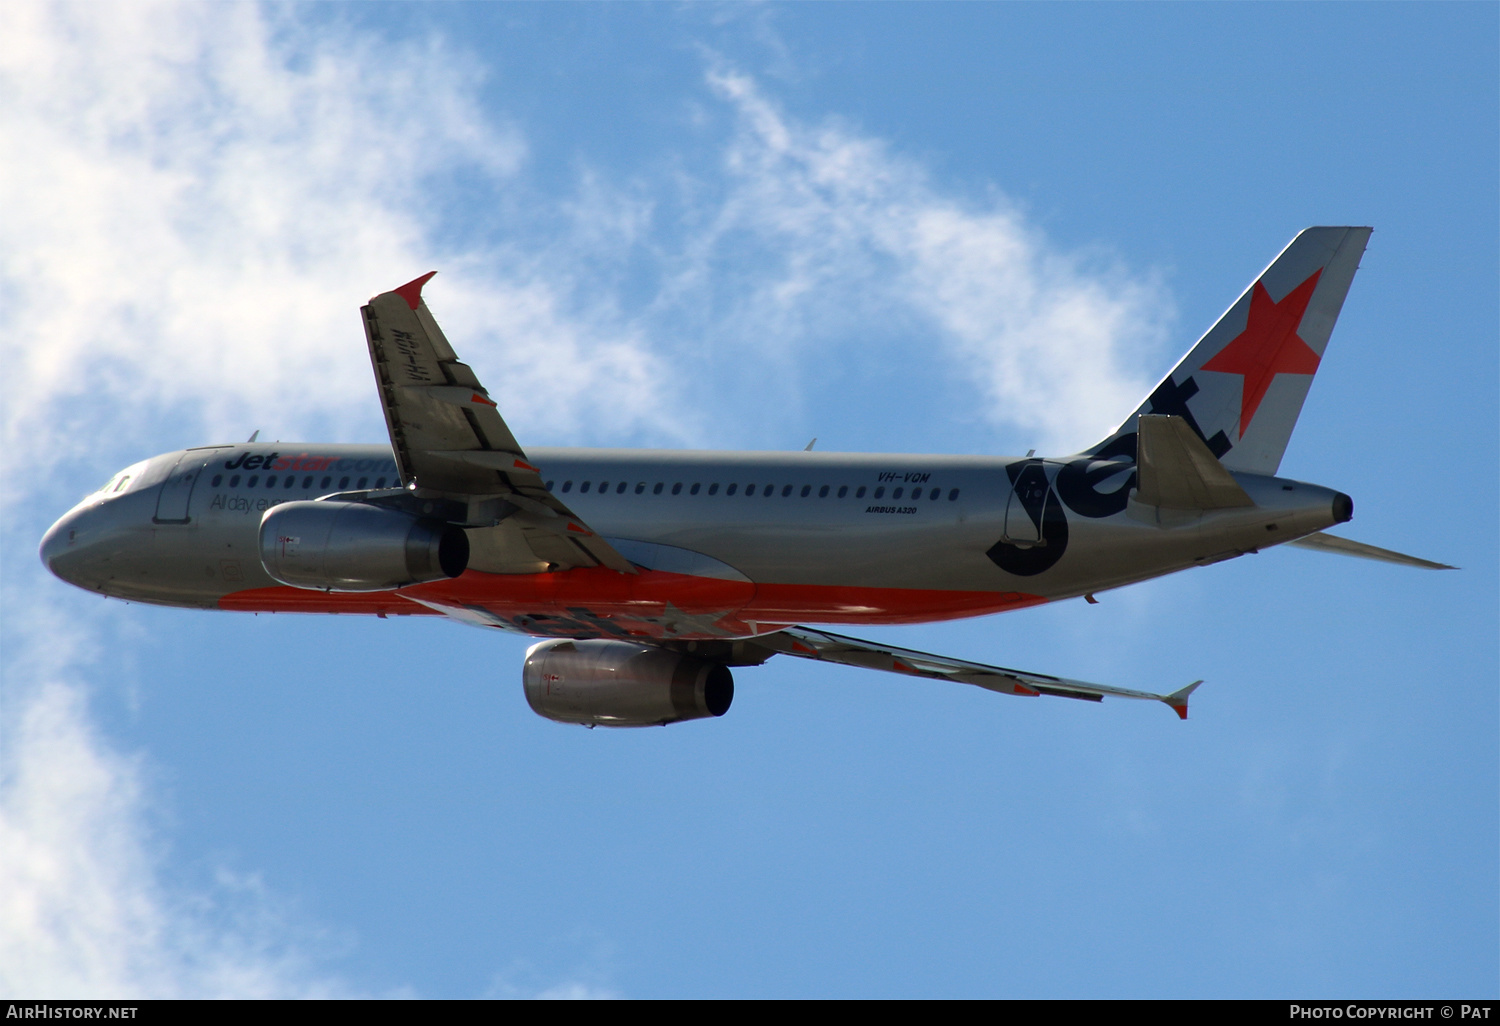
(595, 603)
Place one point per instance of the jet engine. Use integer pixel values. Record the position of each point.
(356, 546)
(622, 684)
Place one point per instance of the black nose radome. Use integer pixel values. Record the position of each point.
(1343, 508)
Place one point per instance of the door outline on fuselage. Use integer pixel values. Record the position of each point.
(176, 493)
(1024, 509)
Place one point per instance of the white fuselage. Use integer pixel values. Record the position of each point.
(804, 537)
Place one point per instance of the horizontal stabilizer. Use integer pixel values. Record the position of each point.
(1345, 547)
(1177, 470)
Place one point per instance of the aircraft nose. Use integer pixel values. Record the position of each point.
(70, 546)
(58, 545)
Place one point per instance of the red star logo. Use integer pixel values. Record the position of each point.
(1268, 346)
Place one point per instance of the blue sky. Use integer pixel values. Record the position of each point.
(910, 228)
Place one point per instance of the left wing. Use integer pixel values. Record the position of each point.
(834, 648)
(451, 443)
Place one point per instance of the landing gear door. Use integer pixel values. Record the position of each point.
(177, 490)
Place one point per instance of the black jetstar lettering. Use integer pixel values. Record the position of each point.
(1040, 503)
(1171, 399)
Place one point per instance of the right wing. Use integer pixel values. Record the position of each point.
(835, 648)
(451, 444)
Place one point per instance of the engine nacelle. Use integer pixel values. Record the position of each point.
(622, 684)
(354, 546)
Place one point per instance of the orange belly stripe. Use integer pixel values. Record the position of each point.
(637, 601)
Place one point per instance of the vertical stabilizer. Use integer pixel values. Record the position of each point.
(1242, 386)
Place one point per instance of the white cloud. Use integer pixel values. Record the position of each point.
(572, 990)
(576, 992)
(83, 908)
(207, 195)
(186, 191)
(853, 234)
(523, 980)
(199, 197)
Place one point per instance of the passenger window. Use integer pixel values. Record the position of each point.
(953, 495)
(291, 481)
(362, 482)
(880, 492)
(234, 482)
(325, 482)
(603, 487)
(823, 492)
(843, 490)
(729, 490)
(916, 493)
(786, 490)
(271, 481)
(749, 489)
(897, 493)
(713, 489)
(343, 483)
(694, 490)
(861, 493)
(807, 490)
(620, 488)
(567, 486)
(584, 487)
(213, 484)
(253, 478)
(549, 485)
(307, 481)
(677, 488)
(658, 488)
(640, 487)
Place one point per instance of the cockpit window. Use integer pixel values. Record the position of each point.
(122, 482)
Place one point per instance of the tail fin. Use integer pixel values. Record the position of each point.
(1242, 386)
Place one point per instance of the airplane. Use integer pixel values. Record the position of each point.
(649, 574)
